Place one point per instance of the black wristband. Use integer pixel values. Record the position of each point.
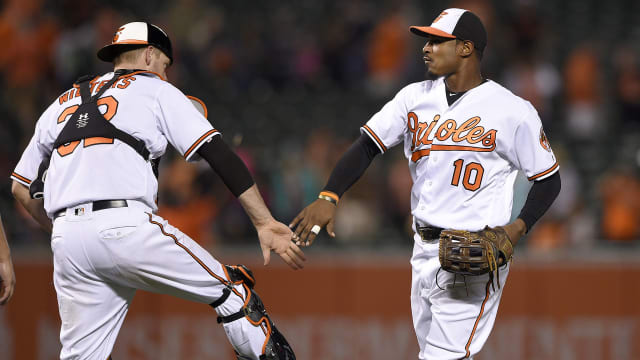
(227, 165)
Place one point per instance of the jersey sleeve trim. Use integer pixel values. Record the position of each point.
(545, 173)
(204, 107)
(375, 138)
(199, 143)
(21, 179)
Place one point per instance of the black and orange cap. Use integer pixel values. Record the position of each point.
(134, 35)
(456, 24)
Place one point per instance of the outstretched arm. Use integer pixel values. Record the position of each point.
(347, 171)
(273, 235)
(35, 207)
(7, 275)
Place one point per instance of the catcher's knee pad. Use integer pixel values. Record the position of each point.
(260, 337)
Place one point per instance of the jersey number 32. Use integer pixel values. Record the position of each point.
(112, 106)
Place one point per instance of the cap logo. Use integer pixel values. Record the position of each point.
(440, 16)
(117, 35)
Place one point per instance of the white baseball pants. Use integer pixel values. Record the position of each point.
(453, 322)
(102, 257)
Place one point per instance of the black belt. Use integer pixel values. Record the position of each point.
(429, 233)
(97, 205)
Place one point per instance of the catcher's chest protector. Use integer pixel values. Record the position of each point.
(87, 122)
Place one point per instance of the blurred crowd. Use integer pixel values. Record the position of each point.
(289, 83)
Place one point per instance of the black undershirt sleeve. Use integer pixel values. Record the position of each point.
(541, 196)
(227, 165)
(352, 165)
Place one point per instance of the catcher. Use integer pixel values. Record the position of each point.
(99, 143)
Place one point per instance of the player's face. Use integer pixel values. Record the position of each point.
(160, 63)
(439, 55)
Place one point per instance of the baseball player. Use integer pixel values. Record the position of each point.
(92, 157)
(7, 275)
(465, 138)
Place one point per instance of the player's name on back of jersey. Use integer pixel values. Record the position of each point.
(476, 136)
(74, 92)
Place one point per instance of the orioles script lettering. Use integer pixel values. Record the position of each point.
(470, 135)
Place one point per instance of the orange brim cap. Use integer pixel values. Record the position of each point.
(430, 31)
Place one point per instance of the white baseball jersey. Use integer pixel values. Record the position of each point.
(102, 257)
(463, 158)
(141, 104)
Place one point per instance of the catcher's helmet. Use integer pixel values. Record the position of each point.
(134, 35)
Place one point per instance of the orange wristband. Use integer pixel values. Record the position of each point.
(329, 196)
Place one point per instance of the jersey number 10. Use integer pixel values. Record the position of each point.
(473, 169)
(112, 106)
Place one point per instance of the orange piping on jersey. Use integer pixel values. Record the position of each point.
(188, 152)
(475, 326)
(134, 74)
(419, 154)
(377, 139)
(175, 240)
(330, 194)
(461, 148)
(142, 72)
(206, 113)
(544, 172)
(20, 177)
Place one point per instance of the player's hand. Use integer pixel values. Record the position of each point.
(278, 237)
(321, 213)
(7, 281)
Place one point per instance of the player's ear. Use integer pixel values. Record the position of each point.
(465, 48)
(148, 54)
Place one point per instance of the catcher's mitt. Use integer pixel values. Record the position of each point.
(474, 253)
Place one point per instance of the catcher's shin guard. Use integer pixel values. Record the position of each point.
(250, 330)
